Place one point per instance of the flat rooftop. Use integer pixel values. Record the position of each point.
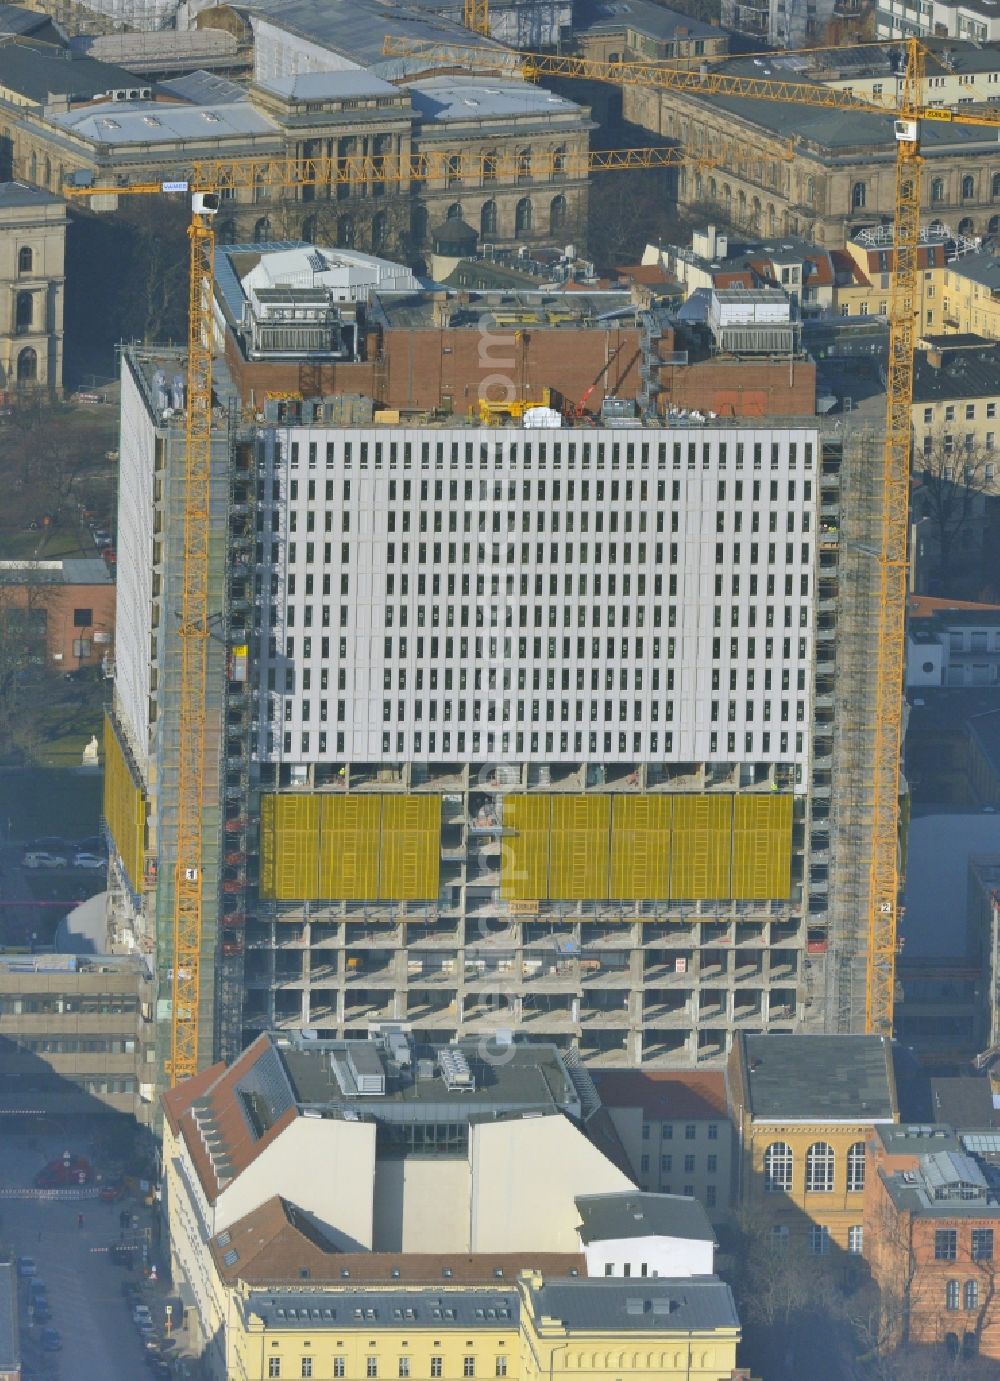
(538, 310)
(616, 1217)
(529, 1077)
(803, 1078)
(612, 1305)
(80, 570)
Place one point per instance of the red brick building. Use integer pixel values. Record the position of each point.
(932, 1236)
(67, 605)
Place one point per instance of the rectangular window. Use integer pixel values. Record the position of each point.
(855, 1240)
(713, 1131)
(307, 1362)
(83, 618)
(501, 1367)
(982, 1244)
(468, 1366)
(274, 1366)
(404, 1366)
(338, 1367)
(690, 1131)
(819, 1240)
(945, 1244)
(372, 1367)
(436, 1366)
(689, 1165)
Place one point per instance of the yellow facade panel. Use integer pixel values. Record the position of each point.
(350, 846)
(640, 847)
(524, 866)
(411, 848)
(579, 853)
(296, 861)
(762, 847)
(124, 807)
(701, 852)
(267, 845)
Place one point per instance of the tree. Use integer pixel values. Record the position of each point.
(22, 653)
(949, 487)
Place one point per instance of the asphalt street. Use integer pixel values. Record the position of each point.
(84, 1285)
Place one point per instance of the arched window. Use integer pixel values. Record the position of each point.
(755, 213)
(713, 189)
(25, 260)
(309, 230)
(225, 232)
(727, 197)
(559, 163)
(261, 191)
(772, 220)
(937, 225)
(994, 225)
(262, 231)
(490, 166)
(965, 226)
(968, 187)
(524, 165)
(995, 186)
(614, 57)
(778, 1168)
(455, 211)
(488, 219)
(819, 1168)
(27, 366)
(856, 1167)
(859, 196)
(951, 1294)
(937, 190)
(970, 1295)
(24, 312)
(47, 170)
(345, 232)
(34, 167)
(380, 231)
(557, 215)
(522, 218)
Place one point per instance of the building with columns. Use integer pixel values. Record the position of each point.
(32, 267)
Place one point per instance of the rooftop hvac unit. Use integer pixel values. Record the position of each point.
(455, 1071)
(365, 1065)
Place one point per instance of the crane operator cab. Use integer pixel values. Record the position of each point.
(205, 203)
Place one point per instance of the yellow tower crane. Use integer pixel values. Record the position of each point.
(204, 180)
(476, 16)
(909, 110)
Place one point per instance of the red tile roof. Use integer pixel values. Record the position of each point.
(219, 1086)
(664, 1097)
(276, 1243)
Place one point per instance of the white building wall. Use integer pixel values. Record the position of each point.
(278, 53)
(650, 1256)
(608, 595)
(526, 1175)
(134, 598)
(327, 1168)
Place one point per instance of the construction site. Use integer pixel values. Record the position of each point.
(517, 700)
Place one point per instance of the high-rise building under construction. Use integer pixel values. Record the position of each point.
(511, 728)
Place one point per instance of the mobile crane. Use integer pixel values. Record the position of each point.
(909, 110)
(204, 180)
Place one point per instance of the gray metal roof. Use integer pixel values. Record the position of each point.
(945, 1170)
(530, 1077)
(961, 374)
(16, 20)
(658, 1305)
(67, 570)
(10, 1346)
(146, 122)
(316, 86)
(804, 1078)
(612, 1217)
(475, 98)
(980, 268)
(449, 1308)
(20, 194)
(37, 74)
(203, 88)
(654, 21)
(358, 28)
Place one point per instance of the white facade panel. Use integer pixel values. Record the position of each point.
(134, 598)
(600, 595)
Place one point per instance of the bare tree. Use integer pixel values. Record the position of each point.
(949, 485)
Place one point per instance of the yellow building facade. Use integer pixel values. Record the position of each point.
(804, 1108)
(505, 1329)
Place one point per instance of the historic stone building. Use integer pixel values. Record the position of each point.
(32, 252)
(838, 176)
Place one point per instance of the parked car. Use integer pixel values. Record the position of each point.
(141, 1314)
(111, 1193)
(43, 860)
(87, 860)
(42, 1312)
(36, 1288)
(159, 1368)
(26, 1267)
(51, 1340)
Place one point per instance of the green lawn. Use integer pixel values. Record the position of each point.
(26, 545)
(42, 801)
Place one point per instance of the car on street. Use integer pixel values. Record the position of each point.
(41, 1311)
(88, 860)
(158, 1367)
(51, 1340)
(42, 859)
(141, 1314)
(26, 1267)
(37, 1290)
